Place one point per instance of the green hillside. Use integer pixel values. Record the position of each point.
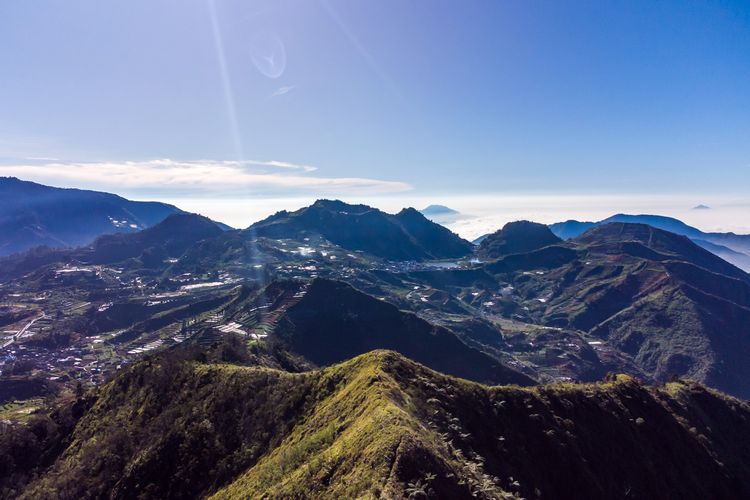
(382, 426)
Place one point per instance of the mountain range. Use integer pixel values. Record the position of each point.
(152, 247)
(734, 248)
(673, 307)
(658, 302)
(35, 215)
(339, 351)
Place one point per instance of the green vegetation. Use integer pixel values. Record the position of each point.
(183, 425)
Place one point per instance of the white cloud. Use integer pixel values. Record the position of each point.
(41, 158)
(280, 164)
(282, 90)
(166, 176)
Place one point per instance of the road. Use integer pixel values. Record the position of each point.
(23, 330)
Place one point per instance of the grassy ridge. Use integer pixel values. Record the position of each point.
(382, 426)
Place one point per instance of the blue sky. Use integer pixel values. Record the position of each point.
(239, 98)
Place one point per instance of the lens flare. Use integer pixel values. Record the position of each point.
(268, 54)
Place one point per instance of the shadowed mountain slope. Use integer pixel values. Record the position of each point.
(33, 215)
(570, 228)
(334, 322)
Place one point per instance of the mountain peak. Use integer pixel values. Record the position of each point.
(411, 212)
(173, 235)
(516, 237)
(339, 206)
(184, 221)
(618, 237)
(632, 231)
(438, 210)
(407, 235)
(732, 247)
(326, 203)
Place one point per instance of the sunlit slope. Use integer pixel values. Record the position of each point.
(381, 426)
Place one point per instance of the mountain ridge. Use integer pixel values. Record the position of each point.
(407, 235)
(733, 248)
(34, 215)
(167, 239)
(381, 425)
(658, 297)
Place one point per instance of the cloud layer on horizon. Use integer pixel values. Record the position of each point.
(199, 177)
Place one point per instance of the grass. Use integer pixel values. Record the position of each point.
(344, 449)
(381, 426)
(20, 410)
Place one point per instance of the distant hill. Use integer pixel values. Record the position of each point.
(739, 259)
(168, 239)
(438, 210)
(152, 247)
(734, 248)
(33, 215)
(335, 322)
(442, 214)
(646, 241)
(377, 426)
(516, 237)
(570, 228)
(407, 235)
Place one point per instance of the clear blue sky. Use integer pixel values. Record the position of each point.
(429, 96)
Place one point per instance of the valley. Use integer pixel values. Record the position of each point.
(590, 319)
(608, 301)
(374, 250)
